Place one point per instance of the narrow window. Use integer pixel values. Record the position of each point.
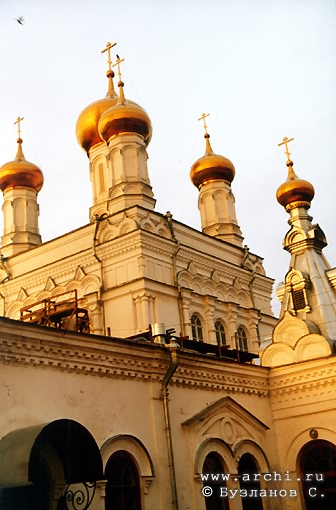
(242, 339)
(220, 333)
(248, 466)
(196, 328)
(123, 483)
(101, 178)
(213, 465)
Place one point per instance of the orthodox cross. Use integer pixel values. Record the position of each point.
(203, 117)
(18, 120)
(118, 62)
(285, 142)
(108, 49)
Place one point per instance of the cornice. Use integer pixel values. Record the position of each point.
(25, 345)
(56, 270)
(292, 383)
(163, 246)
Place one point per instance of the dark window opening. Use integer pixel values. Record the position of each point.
(242, 339)
(248, 466)
(220, 333)
(123, 483)
(196, 328)
(318, 458)
(213, 465)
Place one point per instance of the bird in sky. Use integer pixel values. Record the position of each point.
(20, 20)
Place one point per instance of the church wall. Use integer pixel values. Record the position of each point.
(114, 388)
(302, 399)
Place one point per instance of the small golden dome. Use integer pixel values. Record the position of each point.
(295, 192)
(20, 173)
(211, 167)
(87, 123)
(125, 117)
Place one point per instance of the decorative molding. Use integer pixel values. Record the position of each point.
(107, 359)
(223, 410)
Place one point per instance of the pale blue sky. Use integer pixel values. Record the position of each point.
(262, 69)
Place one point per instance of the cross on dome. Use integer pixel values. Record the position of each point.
(203, 117)
(118, 62)
(18, 120)
(286, 142)
(108, 49)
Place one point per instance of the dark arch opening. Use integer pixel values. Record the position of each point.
(247, 468)
(317, 468)
(74, 446)
(123, 483)
(214, 465)
(62, 450)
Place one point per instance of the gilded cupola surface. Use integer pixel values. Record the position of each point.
(124, 117)
(211, 166)
(294, 192)
(20, 172)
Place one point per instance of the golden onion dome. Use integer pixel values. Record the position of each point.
(211, 167)
(20, 172)
(295, 192)
(125, 117)
(87, 123)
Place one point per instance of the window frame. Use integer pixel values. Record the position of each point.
(242, 340)
(220, 332)
(196, 329)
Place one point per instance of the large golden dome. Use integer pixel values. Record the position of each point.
(295, 192)
(20, 173)
(87, 123)
(125, 117)
(211, 167)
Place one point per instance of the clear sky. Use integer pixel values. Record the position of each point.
(263, 69)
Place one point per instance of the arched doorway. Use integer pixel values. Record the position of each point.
(122, 483)
(317, 468)
(213, 465)
(247, 468)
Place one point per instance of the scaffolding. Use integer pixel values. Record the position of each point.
(61, 311)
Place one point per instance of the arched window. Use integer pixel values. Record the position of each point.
(247, 468)
(213, 464)
(123, 483)
(242, 339)
(196, 328)
(220, 332)
(317, 467)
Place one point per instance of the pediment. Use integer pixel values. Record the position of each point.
(22, 295)
(79, 274)
(50, 284)
(227, 419)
